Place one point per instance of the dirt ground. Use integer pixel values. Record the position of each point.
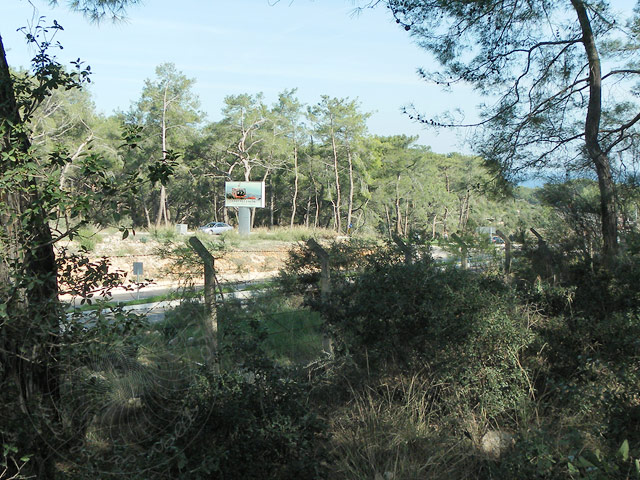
(248, 261)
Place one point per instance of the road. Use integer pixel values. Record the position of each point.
(154, 311)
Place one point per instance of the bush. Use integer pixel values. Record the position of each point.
(466, 330)
(251, 425)
(88, 238)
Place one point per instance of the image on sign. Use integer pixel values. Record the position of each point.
(244, 194)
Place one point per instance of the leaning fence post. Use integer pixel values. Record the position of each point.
(507, 252)
(464, 261)
(544, 254)
(325, 284)
(211, 323)
(404, 248)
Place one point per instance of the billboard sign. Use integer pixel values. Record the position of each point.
(244, 194)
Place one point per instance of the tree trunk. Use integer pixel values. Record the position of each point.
(307, 214)
(295, 185)
(316, 219)
(350, 206)
(27, 251)
(272, 202)
(162, 208)
(599, 158)
(445, 232)
(338, 220)
(397, 208)
(406, 219)
(464, 211)
(386, 210)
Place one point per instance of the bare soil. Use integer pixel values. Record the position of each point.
(247, 262)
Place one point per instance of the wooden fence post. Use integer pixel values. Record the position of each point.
(404, 248)
(325, 273)
(544, 256)
(464, 249)
(211, 323)
(325, 284)
(507, 252)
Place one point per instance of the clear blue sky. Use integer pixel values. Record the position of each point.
(248, 46)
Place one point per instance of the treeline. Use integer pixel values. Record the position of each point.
(321, 166)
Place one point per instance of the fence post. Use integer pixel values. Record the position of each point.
(404, 248)
(211, 323)
(544, 255)
(464, 262)
(507, 252)
(325, 285)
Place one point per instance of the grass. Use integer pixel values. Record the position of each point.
(288, 234)
(293, 336)
(286, 333)
(264, 237)
(163, 234)
(390, 430)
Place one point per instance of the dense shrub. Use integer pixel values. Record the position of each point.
(464, 328)
(250, 425)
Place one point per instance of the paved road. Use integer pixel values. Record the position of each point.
(154, 311)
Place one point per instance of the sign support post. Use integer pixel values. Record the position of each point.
(244, 220)
(138, 271)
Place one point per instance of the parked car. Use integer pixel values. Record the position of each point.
(216, 228)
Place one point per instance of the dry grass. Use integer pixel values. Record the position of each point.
(393, 431)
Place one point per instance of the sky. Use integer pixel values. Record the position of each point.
(249, 46)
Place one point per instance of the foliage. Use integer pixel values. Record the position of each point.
(269, 326)
(464, 328)
(534, 68)
(242, 425)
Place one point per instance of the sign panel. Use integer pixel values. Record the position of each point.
(244, 194)
(138, 268)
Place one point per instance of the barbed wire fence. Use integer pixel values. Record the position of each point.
(295, 327)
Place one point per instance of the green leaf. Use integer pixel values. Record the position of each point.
(584, 463)
(572, 469)
(125, 233)
(623, 451)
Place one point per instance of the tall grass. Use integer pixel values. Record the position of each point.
(293, 336)
(164, 233)
(295, 234)
(286, 334)
(392, 430)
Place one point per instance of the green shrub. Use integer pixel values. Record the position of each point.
(164, 234)
(88, 237)
(251, 425)
(465, 328)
